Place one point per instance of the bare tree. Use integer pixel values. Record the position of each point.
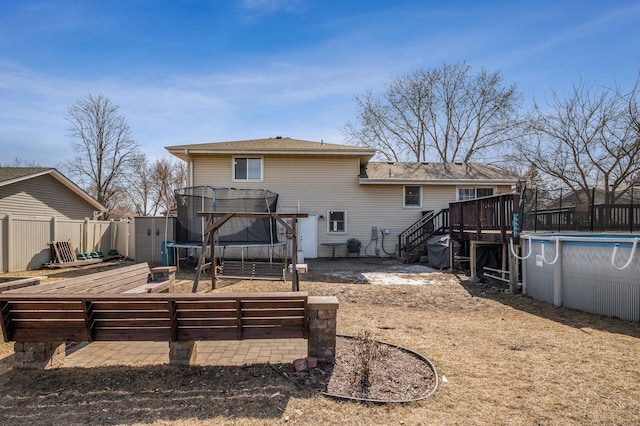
(151, 185)
(140, 187)
(533, 179)
(104, 147)
(443, 114)
(19, 162)
(591, 137)
(167, 176)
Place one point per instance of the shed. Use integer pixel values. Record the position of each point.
(40, 191)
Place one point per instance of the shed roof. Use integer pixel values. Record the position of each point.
(12, 175)
(434, 174)
(275, 145)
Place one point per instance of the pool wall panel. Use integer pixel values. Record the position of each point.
(588, 281)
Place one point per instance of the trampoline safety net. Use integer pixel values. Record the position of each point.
(237, 231)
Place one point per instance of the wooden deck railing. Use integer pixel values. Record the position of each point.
(417, 234)
(483, 219)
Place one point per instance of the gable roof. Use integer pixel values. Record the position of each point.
(277, 145)
(12, 175)
(434, 174)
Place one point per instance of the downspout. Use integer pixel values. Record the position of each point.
(190, 165)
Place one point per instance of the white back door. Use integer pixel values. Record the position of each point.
(308, 236)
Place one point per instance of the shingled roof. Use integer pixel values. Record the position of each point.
(11, 175)
(15, 174)
(276, 145)
(434, 173)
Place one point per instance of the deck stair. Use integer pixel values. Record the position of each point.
(412, 242)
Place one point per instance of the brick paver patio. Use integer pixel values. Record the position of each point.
(234, 352)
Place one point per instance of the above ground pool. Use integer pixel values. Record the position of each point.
(597, 273)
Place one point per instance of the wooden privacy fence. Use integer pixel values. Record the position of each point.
(24, 239)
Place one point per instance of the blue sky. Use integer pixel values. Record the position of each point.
(197, 71)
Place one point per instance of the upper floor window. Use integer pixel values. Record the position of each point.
(412, 196)
(247, 168)
(471, 193)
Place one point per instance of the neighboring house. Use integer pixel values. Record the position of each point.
(582, 199)
(39, 191)
(345, 194)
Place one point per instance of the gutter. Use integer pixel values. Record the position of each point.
(436, 182)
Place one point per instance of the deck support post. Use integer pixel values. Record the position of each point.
(473, 259)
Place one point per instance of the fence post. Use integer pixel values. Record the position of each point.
(535, 211)
(85, 235)
(560, 212)
(54, 226)
(10, 244)
(593, 208)
(631, 213)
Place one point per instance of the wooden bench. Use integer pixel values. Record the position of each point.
(152, 317)
(138, 278)
(11, 283)
(41, 323)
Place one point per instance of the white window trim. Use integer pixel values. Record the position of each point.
(233, 168)
(346, 222)
(475, 189)
(404, 199)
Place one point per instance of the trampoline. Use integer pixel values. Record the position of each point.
(252, 224)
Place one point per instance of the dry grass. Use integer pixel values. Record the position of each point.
(507, 359)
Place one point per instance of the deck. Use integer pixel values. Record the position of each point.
(487, 219)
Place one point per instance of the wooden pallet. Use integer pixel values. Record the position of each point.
(61, 252)
(63, 256)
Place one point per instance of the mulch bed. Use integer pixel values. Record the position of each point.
(393, 374)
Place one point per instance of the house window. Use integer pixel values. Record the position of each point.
(247, 168)
(471, 193)
(484, 192)
(412, 196)
(337, 222)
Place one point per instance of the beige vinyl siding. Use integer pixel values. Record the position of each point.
(43, 196)
(318, 184)
(4, 244)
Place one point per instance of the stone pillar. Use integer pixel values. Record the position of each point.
(322, 311)
(38, 355)
(165, 273)
(182, 353)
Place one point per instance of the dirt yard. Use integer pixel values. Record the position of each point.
(501, 358)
